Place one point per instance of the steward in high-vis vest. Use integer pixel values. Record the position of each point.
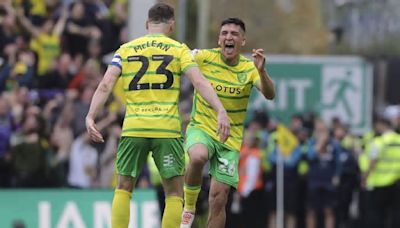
(381, 179)
(367, 140)
(253, 180)
(251, 186)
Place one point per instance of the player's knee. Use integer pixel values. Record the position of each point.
(198, 160)
(198, 155)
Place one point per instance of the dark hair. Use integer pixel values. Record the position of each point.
(161, 13)
(234, 20)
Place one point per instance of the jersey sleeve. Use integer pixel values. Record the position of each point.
(187, 60)
(199, 55)
(117, 59)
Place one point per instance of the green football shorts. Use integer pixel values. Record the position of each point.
(168, 154)
(223, 160)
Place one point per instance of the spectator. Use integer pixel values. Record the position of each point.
(94, 50)
(22, 75)
(29, 155)
(10, 53)
(89, 76)
(7, 27)
(349, 177)
(19, 101)
(290, 183)
(296, 122)
(81, 107)
(114, 24)
(381, 178)
(59, 75)
(46, 40)
(7, 126)
(302, 135)
(107, 177)
(82, 163)
(60, 142)
(79, 30)
(251, 183)
(84, 158)
(323, 176)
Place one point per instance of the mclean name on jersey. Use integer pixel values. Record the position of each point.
(152, 43)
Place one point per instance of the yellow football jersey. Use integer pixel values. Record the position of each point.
(38, 8)
(151, 67)
(47, 48)
(233, 85)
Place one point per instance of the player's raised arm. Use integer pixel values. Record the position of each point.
(207, 92)
(99, 98)
(265, 85)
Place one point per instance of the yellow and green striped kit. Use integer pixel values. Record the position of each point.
(233, 86)
(151, 69)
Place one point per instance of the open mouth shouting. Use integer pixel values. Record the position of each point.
(229, 48)
(230, 39)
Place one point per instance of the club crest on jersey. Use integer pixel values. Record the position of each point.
(241, 77)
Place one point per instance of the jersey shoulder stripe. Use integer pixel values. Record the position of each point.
(150, 130)
(234, 97)
(227, 110)
(214, 55)
(247, 70)
(224, 81)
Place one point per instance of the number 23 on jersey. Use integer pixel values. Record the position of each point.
(161, 69)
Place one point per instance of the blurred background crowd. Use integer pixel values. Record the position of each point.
(52, 56)
(324, 175)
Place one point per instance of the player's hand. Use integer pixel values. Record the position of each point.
(259, 59)
(224, 126)
(91, 128)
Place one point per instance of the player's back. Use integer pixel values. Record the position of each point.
(151, 69)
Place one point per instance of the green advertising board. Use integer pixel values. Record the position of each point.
(65, 208)
(329, 86)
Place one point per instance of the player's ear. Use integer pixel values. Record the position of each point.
(172, 25)
(147, 25)
(243, 42)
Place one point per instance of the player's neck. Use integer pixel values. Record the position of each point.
(157, 32)
(231, 61)
(158, 29)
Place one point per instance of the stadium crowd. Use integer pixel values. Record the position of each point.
(332, 178)
(53, 55)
